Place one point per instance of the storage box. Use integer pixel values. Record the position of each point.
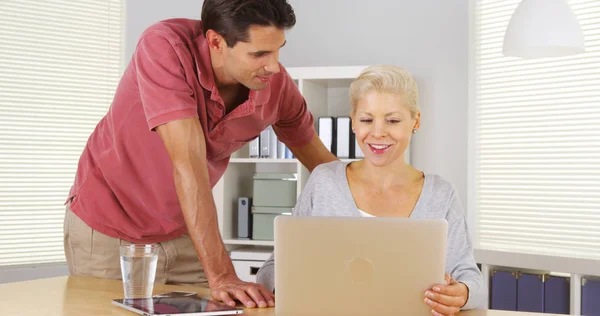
(504, 290)
(590, 292)
(252, 253)
(530, 292)
(274, 190)
(557, 295)
(263, 219)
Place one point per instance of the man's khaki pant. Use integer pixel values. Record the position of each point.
(90, 253)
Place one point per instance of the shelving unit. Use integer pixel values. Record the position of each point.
(326, 92)
(248, 242)
(261, 160)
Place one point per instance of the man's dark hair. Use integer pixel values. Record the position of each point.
(232, 18)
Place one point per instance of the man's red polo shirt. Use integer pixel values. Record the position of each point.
(124, 184)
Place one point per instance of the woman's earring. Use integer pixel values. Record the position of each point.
(353, 130)
(414, 130)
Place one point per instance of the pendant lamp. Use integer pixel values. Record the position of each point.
(543, 28)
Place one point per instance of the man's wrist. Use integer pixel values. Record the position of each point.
(225, 276)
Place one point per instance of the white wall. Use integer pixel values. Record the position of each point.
(139, 14)
(427, 37)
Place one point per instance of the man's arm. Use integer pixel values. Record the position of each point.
(313, 154)
(185, 144)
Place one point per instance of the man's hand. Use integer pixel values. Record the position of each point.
(447, 300)
(245, 292)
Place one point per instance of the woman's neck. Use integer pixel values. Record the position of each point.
(382, 178)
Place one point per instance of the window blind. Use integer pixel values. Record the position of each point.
(537, 141)
(60, 62)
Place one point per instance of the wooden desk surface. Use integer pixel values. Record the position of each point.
(89, 296)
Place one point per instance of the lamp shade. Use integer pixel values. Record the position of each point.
(543, 28)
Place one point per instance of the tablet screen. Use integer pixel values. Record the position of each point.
(177, 305)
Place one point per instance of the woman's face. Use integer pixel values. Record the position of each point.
(383, 127)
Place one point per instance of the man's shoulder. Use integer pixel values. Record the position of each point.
(175, 30)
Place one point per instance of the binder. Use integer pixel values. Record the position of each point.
(352, 143)
(264, 143)
(272, 143)
(280, 150)
(557, 292)
(343, 132)
(590, 296)
(254, 148)
(504, 290)
(326, 131)
(288, 153)
(357, 151)
(530, 292)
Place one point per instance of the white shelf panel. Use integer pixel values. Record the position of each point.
(325, 72)
(270, 160)
(538, 262)
(262, 160)
(248, 242)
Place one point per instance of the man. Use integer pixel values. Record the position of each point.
(193, 93)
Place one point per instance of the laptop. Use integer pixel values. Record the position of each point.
(357, 266)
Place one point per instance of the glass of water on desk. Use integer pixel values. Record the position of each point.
(138, 269)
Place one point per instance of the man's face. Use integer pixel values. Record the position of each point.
(252, 63)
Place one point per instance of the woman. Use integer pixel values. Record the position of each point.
(384, 116)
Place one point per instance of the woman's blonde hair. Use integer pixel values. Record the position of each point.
(386, 79)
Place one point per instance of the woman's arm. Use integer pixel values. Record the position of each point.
(266, 274)
(460, 256)
(463, 288)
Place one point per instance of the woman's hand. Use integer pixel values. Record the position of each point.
(446, 300)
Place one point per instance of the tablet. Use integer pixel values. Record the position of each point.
(176, 303)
